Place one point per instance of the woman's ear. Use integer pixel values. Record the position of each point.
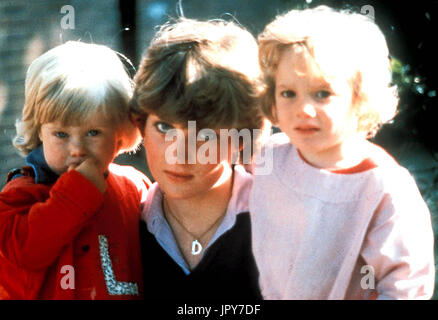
(119, 142)
(241, 145)
(139, 120)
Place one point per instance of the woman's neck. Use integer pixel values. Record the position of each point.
(199, 212)
(194, 221)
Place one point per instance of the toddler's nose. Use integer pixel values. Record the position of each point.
(77, 149)
(308, 111)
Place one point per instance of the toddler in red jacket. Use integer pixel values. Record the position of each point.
(69, 220)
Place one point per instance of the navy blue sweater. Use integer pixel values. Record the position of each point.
(227, 270)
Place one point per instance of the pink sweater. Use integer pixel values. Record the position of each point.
(322, 235)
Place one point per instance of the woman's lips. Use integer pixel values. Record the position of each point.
(178, 177)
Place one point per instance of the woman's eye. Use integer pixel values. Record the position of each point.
(323, 94)
(163, 127)
(61, 134)
(207, 136)
(288, 94)
(93, 133)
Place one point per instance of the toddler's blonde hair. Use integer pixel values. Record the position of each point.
(343, 44)
(70, 83)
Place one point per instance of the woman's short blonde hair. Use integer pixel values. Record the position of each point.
(70, 83)
(341, 43)
(206, 71)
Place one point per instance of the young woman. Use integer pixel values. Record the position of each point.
(196, 80)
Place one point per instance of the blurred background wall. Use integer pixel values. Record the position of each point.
(29, 28)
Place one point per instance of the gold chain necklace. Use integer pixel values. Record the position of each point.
(196, 245)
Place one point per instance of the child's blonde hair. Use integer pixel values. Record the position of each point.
(70, 83)
(340, 44)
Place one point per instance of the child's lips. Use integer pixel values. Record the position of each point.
(306, 129)
(75, 164)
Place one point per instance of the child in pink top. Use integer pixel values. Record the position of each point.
(337, 218)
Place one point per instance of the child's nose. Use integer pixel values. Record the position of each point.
(77, 149)
(307, 110)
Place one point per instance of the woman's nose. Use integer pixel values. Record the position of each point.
(191, 145)
(186, 147)
(176, 147)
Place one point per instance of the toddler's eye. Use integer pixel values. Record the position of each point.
(288, 94)
(163, 127)
(61, 134)
(323, 94)
(93, 133)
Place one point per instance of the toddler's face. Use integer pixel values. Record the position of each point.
(316, 115)
(69, 146)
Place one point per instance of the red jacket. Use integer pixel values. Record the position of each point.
(66, 240)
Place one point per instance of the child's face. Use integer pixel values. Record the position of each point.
(316, 115)
(69, 146)
(179, 180)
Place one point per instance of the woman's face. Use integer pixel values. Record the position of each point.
(184, 179)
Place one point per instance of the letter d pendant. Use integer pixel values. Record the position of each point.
(196, 247)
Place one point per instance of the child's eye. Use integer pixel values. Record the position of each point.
(60, 134)
(93, 133)
(163, 127)
(288, 94)
(323, 94)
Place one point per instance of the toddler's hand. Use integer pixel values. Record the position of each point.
(89, 169)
